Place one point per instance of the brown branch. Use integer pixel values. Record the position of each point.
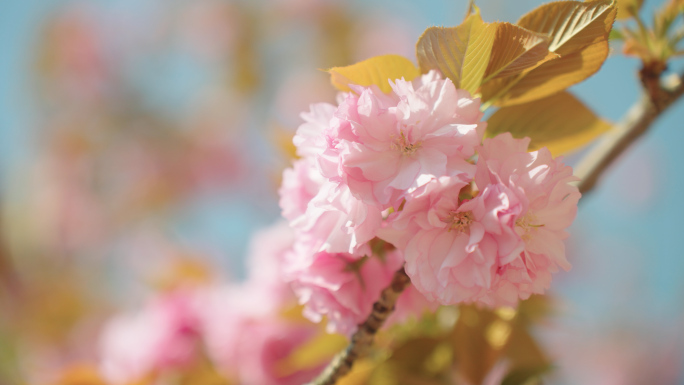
(364, 335)
(636, 122)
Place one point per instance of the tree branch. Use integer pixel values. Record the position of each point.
(363, 337)
(636, 122)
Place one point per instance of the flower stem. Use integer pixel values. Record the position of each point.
(362, 339)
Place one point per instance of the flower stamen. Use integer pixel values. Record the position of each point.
(527, 226)
(404, 145)
(459, 221)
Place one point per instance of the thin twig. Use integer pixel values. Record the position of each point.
(635, 123)
(364, 335)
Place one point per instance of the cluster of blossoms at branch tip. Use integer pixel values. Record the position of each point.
(405, 177)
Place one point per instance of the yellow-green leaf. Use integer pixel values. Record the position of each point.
(579, 34)
(549, 78)
(461, 53)
(572, 25)
(377, 70)
(516, 49)
(560, 122)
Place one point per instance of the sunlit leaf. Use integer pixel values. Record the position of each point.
(516, 49)
(377, 70)
(571, 25)
(461, 53)
(550, 77)
(628, 8)
(560, 122)
(579, 34)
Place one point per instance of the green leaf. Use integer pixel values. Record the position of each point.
(579, 34)
(374, 71)
(560, 122)
(461, 53)
(516, 49)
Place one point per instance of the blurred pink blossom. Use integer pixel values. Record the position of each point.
(163, 335)
(246, 338)
(266, 261)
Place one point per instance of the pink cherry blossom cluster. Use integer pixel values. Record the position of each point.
(237, 326)
(405, 177)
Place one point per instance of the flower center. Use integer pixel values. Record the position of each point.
(404, 145)
(459, 221)
(526, 225)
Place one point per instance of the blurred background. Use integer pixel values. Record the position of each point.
(142, 143)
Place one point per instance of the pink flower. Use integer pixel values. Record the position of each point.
(162, 336)
(502, 245)
(300, 184)
(387, 145)
(343, 288)
(224, 313)
(453, 249)
(308, 139)
(266, 261)
(245, 338)
(324, 212)
(548, 208)
(264, 350)
(337, 222)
